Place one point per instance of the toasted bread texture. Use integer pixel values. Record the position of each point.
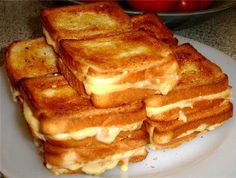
(126, 148)
(164, 133)
(139, 65)
(31, 58)
(131, 51)
(83, 21)
(200, 82)
(199, 103)
(55, 110)
(153, 24)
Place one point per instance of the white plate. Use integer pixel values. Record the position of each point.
(210, 155)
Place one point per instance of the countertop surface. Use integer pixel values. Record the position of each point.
(20, 20)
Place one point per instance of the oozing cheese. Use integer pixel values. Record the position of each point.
(105, 81)
(102, 134)
(49, 39)
(29, 117)
(152, 111)
(100, 87)
(182, 116)
(100, 165)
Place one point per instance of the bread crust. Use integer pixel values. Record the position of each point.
(153, 24)
(29, 58)
(60, 22)
(60, 109)
(171, 130)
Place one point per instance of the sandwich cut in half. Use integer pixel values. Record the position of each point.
(55, 111)
(29, 58)
(52, 109)
(83, 21)
(199, 103)
(119, 69)
(69, 128)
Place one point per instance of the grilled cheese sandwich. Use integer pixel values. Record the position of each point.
(100, 165)
(29, 58)
(41, 109)
(200, 102)
(139, 62)
(129, 147)
(83, 22)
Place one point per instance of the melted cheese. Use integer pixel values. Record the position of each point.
(29, 117)
(102, 134)
(105, 81)
(49, 39)
(15, 93)
(166, 139)
(151, 111)
(100, 87)
(182, 116)
(100, 165)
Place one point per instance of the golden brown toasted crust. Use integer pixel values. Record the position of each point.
(198, 77)
(195, 69)
(92, 142)
(153, 24)
(132, 51)
(176, 142)
(119, 98)
(85, 21)
(71, 78)
(63, 124)
(54, 154)
(180, 123)
(169, 130)
(64, 97)
(60, 109)
(29, 58)
(173, 114)
(223, 108)
(133, 159)
(165, 70)
(177, 94)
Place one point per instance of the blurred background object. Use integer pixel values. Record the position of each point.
(177, 14)
(21, 20)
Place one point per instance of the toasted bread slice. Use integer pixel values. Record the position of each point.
(166, 133)
(153, 24)
(31, 58)
(176, 142)
(131, 52)
(139, 63)
(92, 141)
(83, 21)
(126, 148)
(199, 103)
(55, 110)
(200, 82)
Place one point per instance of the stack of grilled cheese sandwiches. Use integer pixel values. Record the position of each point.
(102, 85)
(200, 102)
